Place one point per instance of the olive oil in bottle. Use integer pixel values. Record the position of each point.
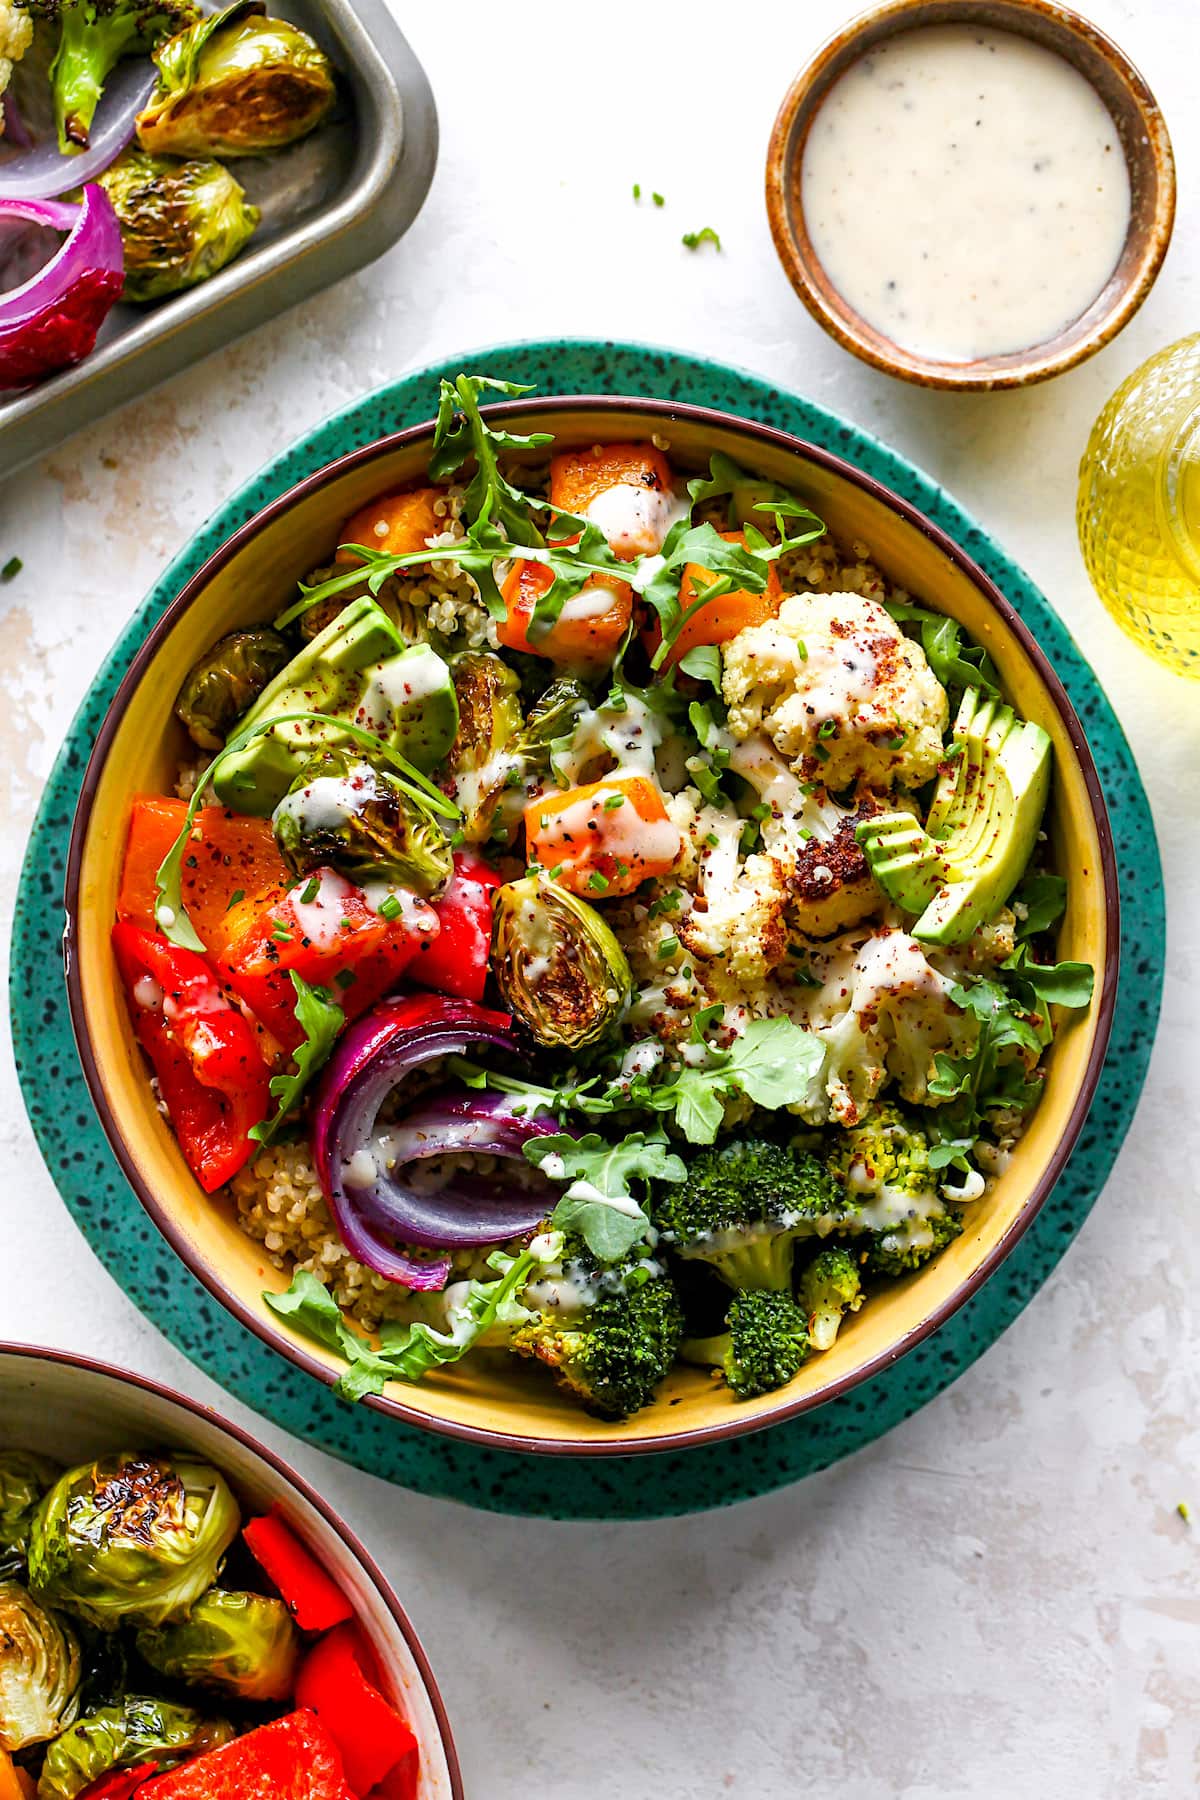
(1139, 506)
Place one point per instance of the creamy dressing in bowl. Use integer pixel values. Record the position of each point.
(965, 190)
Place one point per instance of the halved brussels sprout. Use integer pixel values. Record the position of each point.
(131, 1538)
(235, 84)
(243, 1644)
(343, 812)
(39, 1670)
(24, 1478)
(180, 222)
(557, 964)
(492, 763)
(226, 681)
(139, 1729)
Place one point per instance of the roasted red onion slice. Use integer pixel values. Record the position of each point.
(51, 320)
(361, 1164)
(37, 170)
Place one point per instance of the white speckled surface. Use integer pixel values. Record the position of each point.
(998, 1599)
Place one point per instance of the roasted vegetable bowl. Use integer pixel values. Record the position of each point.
(617, 898)
(181, 1619)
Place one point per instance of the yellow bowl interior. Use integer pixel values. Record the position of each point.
(495, 1394)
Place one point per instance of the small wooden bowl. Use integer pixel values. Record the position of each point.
(1144, 139)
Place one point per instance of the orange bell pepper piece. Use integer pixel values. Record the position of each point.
(587, 631)
(605, 838)
(722, 618)
(577, 477)
(15, 1784)
(227, 854)
(396, 524)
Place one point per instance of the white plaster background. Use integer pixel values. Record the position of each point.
(998, 1599)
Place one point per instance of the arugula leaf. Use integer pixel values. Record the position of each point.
(703, 663)
(170, 913)
(461, 432)
(956, 665)
(989, 1074)
(321, 1020)
(407, 1352)
(1044, 898)
(1054, 984)
(599, 1204)
(773, 1063)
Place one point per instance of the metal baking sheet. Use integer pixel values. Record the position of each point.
(330, 204)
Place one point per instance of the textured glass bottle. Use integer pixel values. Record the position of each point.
(1139, 506)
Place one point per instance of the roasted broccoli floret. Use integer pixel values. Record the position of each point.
(884, 1163)
(766, 1341)
(93, 37)
(914, 1243)
(743, 1206)
(828, 1289)
(610, 1335)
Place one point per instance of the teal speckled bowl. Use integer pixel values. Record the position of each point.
(718, 1471)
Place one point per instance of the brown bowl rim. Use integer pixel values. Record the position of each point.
(92, 1365)
(709, 418)
(982, 374)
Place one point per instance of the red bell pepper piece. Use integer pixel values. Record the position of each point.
(294, 1758)
(372, 1737)
(314, 1600)
(211, 1073)
(333, 938)
(118, 1784)
(456, 961)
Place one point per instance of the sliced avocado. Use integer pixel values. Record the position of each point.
(982, 827)
(359, 669)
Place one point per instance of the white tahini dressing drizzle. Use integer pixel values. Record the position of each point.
(965, 191)
(634, 519)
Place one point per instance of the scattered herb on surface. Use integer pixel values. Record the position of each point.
(11, 569)
(694, 239)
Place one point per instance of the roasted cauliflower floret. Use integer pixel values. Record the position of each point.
(16, 35)
(813, 839)
(737, 913)
(840, 691)
(883, 1011)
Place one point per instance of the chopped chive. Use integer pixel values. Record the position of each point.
(14, 565)
(826, 728)
(637, 190)
(821, 753)
(666, 903)
(389, 908)
(311, 890)
(598, 881)
(658, 200)
(1184, 1511)
(666, 948)
(761, 811)
(281, 934)
(458, 839)
(237, 894)
(533, 868)
(613, 801)
(694, 239)
(556, 871)
(712, 839)
(345, 978)
(898, 742)
(544, 822)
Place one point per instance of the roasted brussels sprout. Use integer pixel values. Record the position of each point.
(140, 1729)
(131, 1538)
(24, 1478)
(180, 221)
(225, 683)
(243, 1644)
(235, 84)
(39, 1670)
(492, 763)
(557, 964)
(344, 813)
